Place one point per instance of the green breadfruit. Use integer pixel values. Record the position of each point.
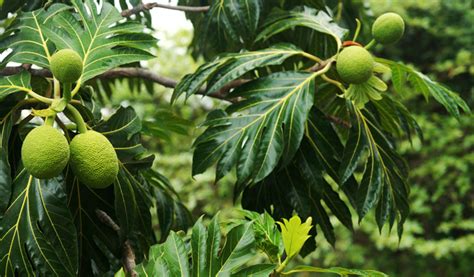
(66, 66)
(388, 28)
(93, 159)
(45, 152)
(354, 65)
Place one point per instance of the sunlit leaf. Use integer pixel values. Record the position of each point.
(282, 20)
(294, 234)
(14, 83)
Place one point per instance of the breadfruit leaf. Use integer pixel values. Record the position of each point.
(232, 20)
(5, 167)
(300, 187)
(280, 20)
(14, 83)
(128, 201)
(94, 32)
(384, 182)
(37, 231)
(207, 257)
(423, 84)
(255, 133)
(232, 66)
(336, 270)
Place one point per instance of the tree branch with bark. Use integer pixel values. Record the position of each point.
(148, 6)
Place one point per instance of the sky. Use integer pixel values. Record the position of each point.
(170, 20)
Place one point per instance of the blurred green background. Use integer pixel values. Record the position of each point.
(439, 235)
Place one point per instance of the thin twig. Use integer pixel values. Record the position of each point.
(148, 6)
(338, 121)
(128, 255)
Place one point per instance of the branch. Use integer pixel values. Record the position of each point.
(133, 72)
(128, 255)
(338, 121)
(148, 6)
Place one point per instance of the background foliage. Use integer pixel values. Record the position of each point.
(440, 228)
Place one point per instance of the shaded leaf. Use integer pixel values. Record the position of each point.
(37, 231)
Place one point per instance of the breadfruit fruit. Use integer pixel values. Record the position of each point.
(45, 152)
(354, 65)
(66, 65)
(388, 28)
(93, 159)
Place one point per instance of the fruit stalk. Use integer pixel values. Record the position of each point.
(81, 125)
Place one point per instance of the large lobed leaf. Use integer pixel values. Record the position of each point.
(14, 83)
(384, 182)
(256, 132)
(208, 258)
(128, 201)
(401, 74)
(301, 186)
(236, 21)
(317, 20)
(95, 33)
(232, 66)
(37, 231)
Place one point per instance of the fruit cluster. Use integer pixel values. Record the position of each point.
(355, 64)
(46, 152)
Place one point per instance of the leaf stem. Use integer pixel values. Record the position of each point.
(334, 82)
(311, 57)
(76, 88)
(283, 265)
(34, 94)
(81, 125)
(340, 6)
(371, 43)
(357, 31)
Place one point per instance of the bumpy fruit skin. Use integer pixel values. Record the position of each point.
(66, 65)
(354, 65)
(388, 28)
(45, 152)
(93, 160)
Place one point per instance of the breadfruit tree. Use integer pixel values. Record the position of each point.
(309, 124)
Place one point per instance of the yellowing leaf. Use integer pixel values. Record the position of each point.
(295, 234)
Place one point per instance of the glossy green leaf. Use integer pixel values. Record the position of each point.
(259, 270)
(336, 270)
(267, 236)
(232, 66)
(423, 84)
(206, 257)
(385, 173)
(127, 201)
(94, 33)
(14, 83)
(282, 20)
(5, 167)
(256, 132)
(302, 187)
(233, 20)
(37, 231)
